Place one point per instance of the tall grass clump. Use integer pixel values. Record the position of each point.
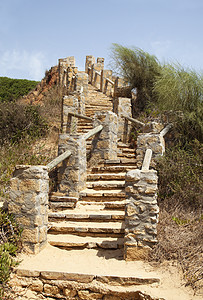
(139, 69)
(179, 89)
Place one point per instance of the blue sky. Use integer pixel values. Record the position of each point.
(34, 34)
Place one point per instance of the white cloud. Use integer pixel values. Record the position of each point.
(22, 64)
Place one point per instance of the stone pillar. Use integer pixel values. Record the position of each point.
(73, 173)
(70, 104)
(90, 60)
(141, 213)
(122, 106)
(82, 83)
(150, 140)
(63, 64)
(104, 144)
(71, 79)
(100, 60)
(107, 87)
(29, 203)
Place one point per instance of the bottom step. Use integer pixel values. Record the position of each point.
(69, 241)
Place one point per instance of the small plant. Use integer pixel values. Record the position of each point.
(9, 246)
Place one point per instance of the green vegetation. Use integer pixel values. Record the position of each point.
(139, 69)
(9, 246)
(21, 127)
(177, 89)
(18, 121)
(162, 90)
(12, 89)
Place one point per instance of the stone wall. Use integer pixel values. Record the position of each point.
(72, 173)
(60, 285)
(141, 213)
(104, 144)
(150, 139)
(69, 123)
(122, 106)
(29, 203)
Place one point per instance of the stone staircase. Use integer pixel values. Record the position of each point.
(96, 219)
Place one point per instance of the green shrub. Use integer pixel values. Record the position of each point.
(12, 89)
(180, 177)
(177, 89)
(139, 69)
(17, 121)
(9, 245)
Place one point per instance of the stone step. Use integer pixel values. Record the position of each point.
(106, 205)
(129, 161)
(88, 215)
(113, 169)
(68, 241)
(126, 155)
(117, 193)
(120, 161)
(58, 201)
(81, 126)
(123, 145)
(110, 184)
(89, 276)
(87, 228)
(56, 206)
(106, 176)
(128, 150)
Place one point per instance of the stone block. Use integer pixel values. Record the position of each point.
(69, 293)
(29, 185)
(135, 253)
(133, 175)
(27, 273)
(24, 221)
(51, 290)
(42, 234)
(36, 285)
(14, 208)
(86, 295)
(30, 235)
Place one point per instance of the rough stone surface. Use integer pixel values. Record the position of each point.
(104, 144)
(72, 173)
(141, 213)
(153, 141)
(122, 106)
(29, 203)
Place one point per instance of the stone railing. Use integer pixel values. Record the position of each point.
(127, 128)
(102, 79)
(141, 213)
(30, 184)
(152, 137)
(29, 191)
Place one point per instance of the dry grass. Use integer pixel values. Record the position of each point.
(180, 236)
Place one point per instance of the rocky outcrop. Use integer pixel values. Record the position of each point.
(37, 95)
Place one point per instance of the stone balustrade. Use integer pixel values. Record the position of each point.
(29, 203)
(104, 144)
(141, 213)
(72, 174)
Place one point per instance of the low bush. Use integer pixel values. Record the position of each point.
(9, 246)
(180, 177)
(17, 121)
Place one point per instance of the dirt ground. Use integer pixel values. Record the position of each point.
(99, 262)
